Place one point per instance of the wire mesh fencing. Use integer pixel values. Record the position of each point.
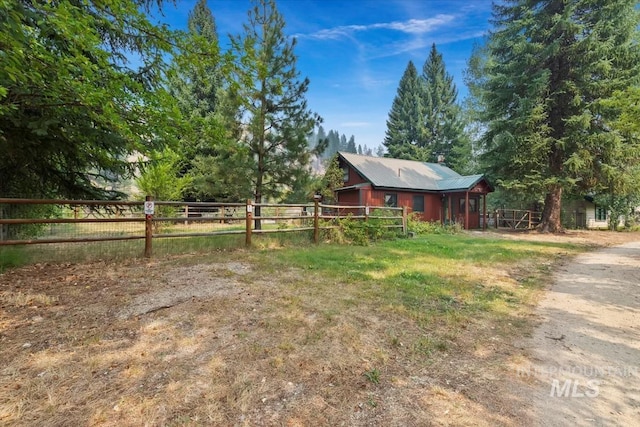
(33, 230)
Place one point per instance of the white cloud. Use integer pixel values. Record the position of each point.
(417, 26)
(412, 26)
(420, 43)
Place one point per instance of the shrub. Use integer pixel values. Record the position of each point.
(358, 232)
(417, 226)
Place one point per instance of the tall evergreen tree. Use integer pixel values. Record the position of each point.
(368, 151)
(343, 143)
(404, 125)
(201, 68)
(351, 145)
(209, 149)
(443, 126)
(321, 138)
(550, 65)
(73, 108)
(277, 120)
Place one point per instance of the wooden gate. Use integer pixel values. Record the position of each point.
(517, 219)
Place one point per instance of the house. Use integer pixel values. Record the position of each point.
(584, 212)
(434, 191)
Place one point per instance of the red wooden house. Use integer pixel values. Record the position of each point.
(435, 191)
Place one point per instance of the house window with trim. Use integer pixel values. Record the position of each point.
(345, 173)
(391, 200)
(418, 203)
(473, 205)
(601, 213)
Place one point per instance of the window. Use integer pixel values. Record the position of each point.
(473, 205)
(345, 173)
(391, 200)
(601, 213)
(418, 203)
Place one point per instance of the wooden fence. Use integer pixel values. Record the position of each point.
(22, 221)
(516, 219)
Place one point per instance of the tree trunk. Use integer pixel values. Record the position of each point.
(550, 222)
(257, 223)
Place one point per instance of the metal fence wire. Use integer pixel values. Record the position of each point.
(75, 230)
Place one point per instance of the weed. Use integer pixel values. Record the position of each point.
(427, 345)
(373, 376)
(371, 402)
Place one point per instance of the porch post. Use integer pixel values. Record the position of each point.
(449, 199)
(466, 210)
(484, 212)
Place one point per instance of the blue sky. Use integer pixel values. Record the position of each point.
(355, 51)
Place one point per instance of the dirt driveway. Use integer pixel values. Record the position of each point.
(584, 364)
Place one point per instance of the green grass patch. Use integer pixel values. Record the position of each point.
(13, 256)
(438, 281)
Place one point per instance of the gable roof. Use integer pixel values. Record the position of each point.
(409, 174)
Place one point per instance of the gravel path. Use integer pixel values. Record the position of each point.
(585, 355)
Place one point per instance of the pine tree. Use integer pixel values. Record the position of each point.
(443, 126)
(343, 143)
(404, 125)
(198, 83)
(331, 181)
(550, 65)
(204, 78)
(333, 144)
(277, 119)
(351, 145)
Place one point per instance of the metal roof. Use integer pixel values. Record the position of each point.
(409, 174)
(462, 183)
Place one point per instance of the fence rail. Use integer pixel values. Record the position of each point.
(516, 219)
(35, 221)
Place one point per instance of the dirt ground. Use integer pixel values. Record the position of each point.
(583, 364)
(182, 342)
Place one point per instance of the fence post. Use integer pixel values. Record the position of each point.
(495, 221)
(404, 220)
(366, 213)
(148, 229)
(2, 226)
(529, 216)
(249, 215)
(316, 219)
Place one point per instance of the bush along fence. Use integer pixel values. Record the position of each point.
(32, 221)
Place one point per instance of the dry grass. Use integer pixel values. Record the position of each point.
(20, 299)
(265, 338)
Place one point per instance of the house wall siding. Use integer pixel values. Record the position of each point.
(354, 177)
(350, 198)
